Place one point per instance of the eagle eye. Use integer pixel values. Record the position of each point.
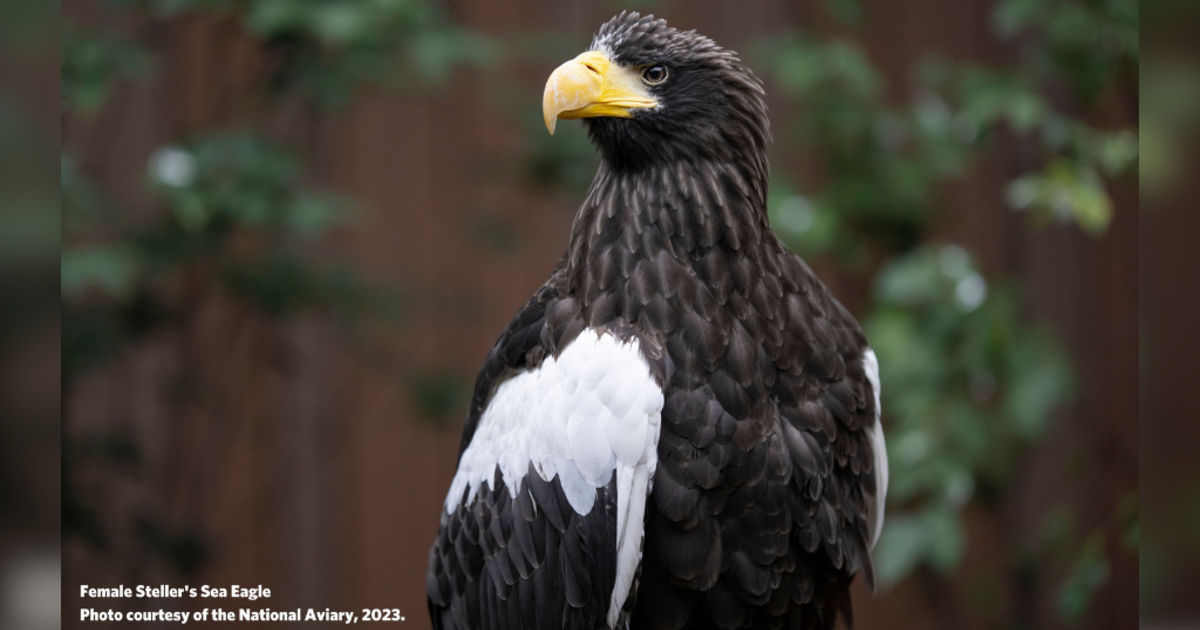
(655, 74)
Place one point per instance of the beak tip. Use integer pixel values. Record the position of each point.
(549, 109)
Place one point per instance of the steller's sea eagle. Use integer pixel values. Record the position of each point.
(681, 428)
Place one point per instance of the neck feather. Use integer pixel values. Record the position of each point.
(665, 216)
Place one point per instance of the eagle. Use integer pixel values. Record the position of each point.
(680, 429)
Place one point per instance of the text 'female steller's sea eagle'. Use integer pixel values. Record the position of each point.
(681, 428)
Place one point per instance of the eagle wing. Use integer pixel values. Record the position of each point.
(542, 525)
(771, 475)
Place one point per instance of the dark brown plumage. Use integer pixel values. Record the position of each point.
(758, 511)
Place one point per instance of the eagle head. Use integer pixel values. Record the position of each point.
(651, 94)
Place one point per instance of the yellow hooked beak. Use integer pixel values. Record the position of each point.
(591, 85)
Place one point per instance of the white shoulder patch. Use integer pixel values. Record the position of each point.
(875, 511)
(593, 412)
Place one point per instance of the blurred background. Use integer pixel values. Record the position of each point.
(291, 230)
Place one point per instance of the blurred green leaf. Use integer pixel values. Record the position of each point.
(806, 228)
(312, 215)
(934, 535)
(1065, 193)
(442, 397)
(330, 48)
(1089, 572)
(111, 269)
(945, 538)
(92, 62)
(900, 550)
(968, 384)
(437, 52)
(1089, 44)
(848, 12)
(1041, 380)
(239, 180)
(1116, 152)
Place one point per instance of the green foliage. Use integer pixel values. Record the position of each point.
(1088, 573)
(879, 164)
(1071, 187)
(1091, 43)
(218, 182)
(110, 267)
(967, 386)
(441, 396)
(1090, 566)
(238, 216)
(804, 226)
(847, 12)
(92, 62)
(1065, 193)
(113, 269)
(213, 187)
(82, 200)
(934, 536)
(330, 48)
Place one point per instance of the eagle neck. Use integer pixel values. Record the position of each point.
(680, 210)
